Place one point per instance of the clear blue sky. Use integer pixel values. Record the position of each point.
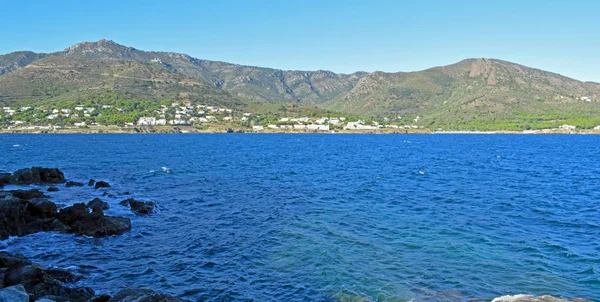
(343, 36)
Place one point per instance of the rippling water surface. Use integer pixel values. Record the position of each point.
(326, 217)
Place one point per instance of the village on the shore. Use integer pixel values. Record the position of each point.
(183, 114)
(205, 118)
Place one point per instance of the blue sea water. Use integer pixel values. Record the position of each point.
(330, 217)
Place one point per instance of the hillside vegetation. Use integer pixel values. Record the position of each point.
(474, 94)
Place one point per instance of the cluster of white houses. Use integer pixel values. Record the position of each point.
(186, 114)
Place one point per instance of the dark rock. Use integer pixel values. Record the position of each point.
(79, 220)
(73, 184)
(2, 276)
(54, 289)
(40, 283)
(37, 175)
(76, 212)
(100, 298)
(42, 208)
(28, 275)
(15, 293)
(4, 178)
(91, 182)
(141, 207)
(106, 226)
(108, 195)
(20, 217)
(143, 295)
(63, 275)
(52, 189)
(97, 202)
(8, 260)
(27, 194)
(102, 184)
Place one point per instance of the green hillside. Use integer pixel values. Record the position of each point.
(474, 94)
(480, 93)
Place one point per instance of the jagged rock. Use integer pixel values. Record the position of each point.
(76, 212)
(19, 217)
(52, 288)
(25, 212)
(52, 189)
(102, 184)
(63, 275)
(15, 293)
(532, 298)
(37, 175)
(4, 178)
(41, 283)
(73, 184)
(141, 207)
(143, 295)
(8, 260)
(28, 275)
(80, 221)
(91, 182)
(97, 202)
(27, 194)
(42, 208)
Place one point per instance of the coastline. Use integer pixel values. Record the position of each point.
(216, 130)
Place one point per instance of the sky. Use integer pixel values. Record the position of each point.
(561, 36)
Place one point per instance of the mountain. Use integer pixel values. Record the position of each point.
(469, 91)
(254, 83)
(16, 60)
(59, 78)
(472, 89)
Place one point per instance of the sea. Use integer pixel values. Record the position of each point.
(328, 217)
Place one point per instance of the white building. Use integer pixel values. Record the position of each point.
(321, 121)
(177, 122)
(567, 127)
(318, 127)
(258, 128)
(146, 121)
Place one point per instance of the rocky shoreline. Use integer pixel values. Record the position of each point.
(28, 211)
(225, 129)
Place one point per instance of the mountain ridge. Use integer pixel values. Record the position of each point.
(469, 90)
